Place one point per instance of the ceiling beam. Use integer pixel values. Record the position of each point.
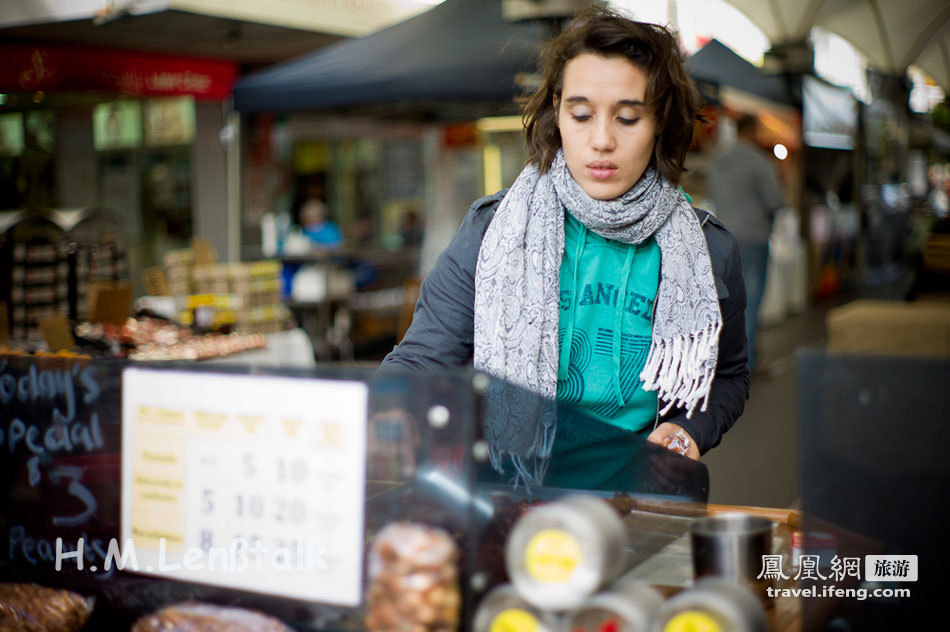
(779, 22)
(810, 14)
(945, 54)
(882, 34)
(931, 31)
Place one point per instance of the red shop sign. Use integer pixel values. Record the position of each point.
(52, 69)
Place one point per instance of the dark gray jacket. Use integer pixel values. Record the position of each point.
(442, 326)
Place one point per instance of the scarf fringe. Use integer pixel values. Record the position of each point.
(678, 370)
(530, 469)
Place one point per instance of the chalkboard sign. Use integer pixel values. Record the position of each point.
(59, 432)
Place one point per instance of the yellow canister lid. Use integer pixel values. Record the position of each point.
(692, 621)
(552, 555)
(514, 620)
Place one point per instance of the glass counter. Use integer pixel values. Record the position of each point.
(266, 489)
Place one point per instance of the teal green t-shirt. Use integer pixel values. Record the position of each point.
(606, 313)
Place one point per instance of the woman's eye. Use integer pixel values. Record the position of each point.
(580, 118)
(627, 121)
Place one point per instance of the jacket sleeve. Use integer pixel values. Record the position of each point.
(442, 329)
(730, 387)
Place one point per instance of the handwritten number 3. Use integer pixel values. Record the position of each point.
(77, 489)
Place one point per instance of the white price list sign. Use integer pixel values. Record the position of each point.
(248, 482)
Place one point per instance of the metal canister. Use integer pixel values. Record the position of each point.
(503, 610)
(626, 606)
(714, 604)
(561, 553)
(733, 546)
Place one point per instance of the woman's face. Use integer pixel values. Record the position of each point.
(607, 130)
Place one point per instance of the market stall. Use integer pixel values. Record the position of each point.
(390, 148)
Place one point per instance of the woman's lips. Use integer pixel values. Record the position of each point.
(601, 170)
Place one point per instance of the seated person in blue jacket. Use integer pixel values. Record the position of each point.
(592, 281)
(317, 226)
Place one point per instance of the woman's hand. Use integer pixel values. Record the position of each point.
(674, 438)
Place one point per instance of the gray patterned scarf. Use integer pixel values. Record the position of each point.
(517, 294)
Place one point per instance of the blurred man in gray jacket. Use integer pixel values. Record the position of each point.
(746, 190)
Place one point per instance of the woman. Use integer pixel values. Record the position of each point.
(592, 280)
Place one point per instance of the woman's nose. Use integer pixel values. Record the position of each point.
(602, 138)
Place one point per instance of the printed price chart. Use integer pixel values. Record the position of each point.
(248, 482)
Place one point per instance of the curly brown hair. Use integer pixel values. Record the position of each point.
(650, 47)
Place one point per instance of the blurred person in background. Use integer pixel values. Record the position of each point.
(321, 230)
(362, 231)
(592, 280)
(747, 192)
(410, 228)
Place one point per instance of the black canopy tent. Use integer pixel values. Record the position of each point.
(461, 51)
(716, 63)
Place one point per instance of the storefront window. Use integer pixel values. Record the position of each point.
(143, 152)
(26, 160)
(169, 121)
(117, 125)
(11, 147)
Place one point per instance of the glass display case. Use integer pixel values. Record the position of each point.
(221, 485)
(329, 499)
